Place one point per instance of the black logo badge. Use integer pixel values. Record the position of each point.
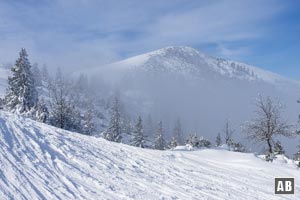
(284, 186)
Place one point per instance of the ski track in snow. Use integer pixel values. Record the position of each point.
(38, 161)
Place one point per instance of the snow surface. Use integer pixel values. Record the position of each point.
(38, 161)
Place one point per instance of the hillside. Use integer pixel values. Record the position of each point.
(38, 161)
(201, 90)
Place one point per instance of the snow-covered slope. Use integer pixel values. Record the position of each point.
(42, 162)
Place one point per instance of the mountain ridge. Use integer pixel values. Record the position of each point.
(183, 59)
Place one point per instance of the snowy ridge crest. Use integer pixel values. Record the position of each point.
(186, 60)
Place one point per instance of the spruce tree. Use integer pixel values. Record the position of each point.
(159, 141)
(113, 133)
(88, 125)
(21, 94)
(138, 138)
(218, 140)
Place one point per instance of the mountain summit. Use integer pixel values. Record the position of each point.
(186, 60)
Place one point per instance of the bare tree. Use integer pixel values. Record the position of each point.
(268, 123)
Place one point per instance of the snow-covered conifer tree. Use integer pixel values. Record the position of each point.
(113, 132)
(159, 141)
(88, 126)
(138, 139)
(218, 140)
(21, 94)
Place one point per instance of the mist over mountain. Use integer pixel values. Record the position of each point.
(203, 91)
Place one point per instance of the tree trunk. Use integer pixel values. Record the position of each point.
(270, 146)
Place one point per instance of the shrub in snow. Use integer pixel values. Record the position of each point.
(173, 143)
(42, 113)
(237, 147)
(278, 149)
(194, 141)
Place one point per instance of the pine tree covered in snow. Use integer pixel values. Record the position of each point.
(218, 140)
(138, 139)
(113, 132)
(42, 113)
(159, 141)
(88, 126)
(21, 94)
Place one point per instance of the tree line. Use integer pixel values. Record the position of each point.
(67, 104)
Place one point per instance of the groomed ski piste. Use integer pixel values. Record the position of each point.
(38, 161)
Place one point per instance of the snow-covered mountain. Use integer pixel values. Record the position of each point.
(201, 90)
(186, 60)
(38, 161)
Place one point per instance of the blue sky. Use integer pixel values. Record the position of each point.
(73, 34)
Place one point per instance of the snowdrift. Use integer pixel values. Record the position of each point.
(43, 162)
